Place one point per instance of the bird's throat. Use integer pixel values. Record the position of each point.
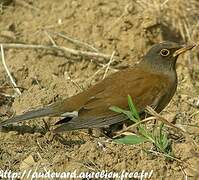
(166, 68)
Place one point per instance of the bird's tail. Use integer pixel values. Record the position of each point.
(45, 111)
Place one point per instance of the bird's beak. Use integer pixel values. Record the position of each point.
(183, 49)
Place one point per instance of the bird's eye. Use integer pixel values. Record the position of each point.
(164, 52)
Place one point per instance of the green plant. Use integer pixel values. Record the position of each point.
(157, 135)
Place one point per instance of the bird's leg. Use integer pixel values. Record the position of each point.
(97, 132)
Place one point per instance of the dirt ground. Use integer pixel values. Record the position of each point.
(127, 27)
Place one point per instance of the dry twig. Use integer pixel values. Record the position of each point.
(76, 42)
(8, 72)
(57, 48)
(152, 112)
(134, 125)
(108, 65)
(51, 39)
(75, 83)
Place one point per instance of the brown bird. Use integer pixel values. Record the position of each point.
(152, 82)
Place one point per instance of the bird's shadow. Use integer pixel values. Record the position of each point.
(25, 129)
(67, 142)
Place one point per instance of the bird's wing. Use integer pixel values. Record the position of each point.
(145, 89)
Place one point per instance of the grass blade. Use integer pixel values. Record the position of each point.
(133, 108)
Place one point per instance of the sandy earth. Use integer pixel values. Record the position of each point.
(127, 27)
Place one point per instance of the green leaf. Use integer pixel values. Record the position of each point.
(133, 108)
(119, 110)
(131, 139)
(165, 141)
(147, 134)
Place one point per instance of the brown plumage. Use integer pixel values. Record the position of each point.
(152, 82)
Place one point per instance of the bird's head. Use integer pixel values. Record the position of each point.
(164, 55)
